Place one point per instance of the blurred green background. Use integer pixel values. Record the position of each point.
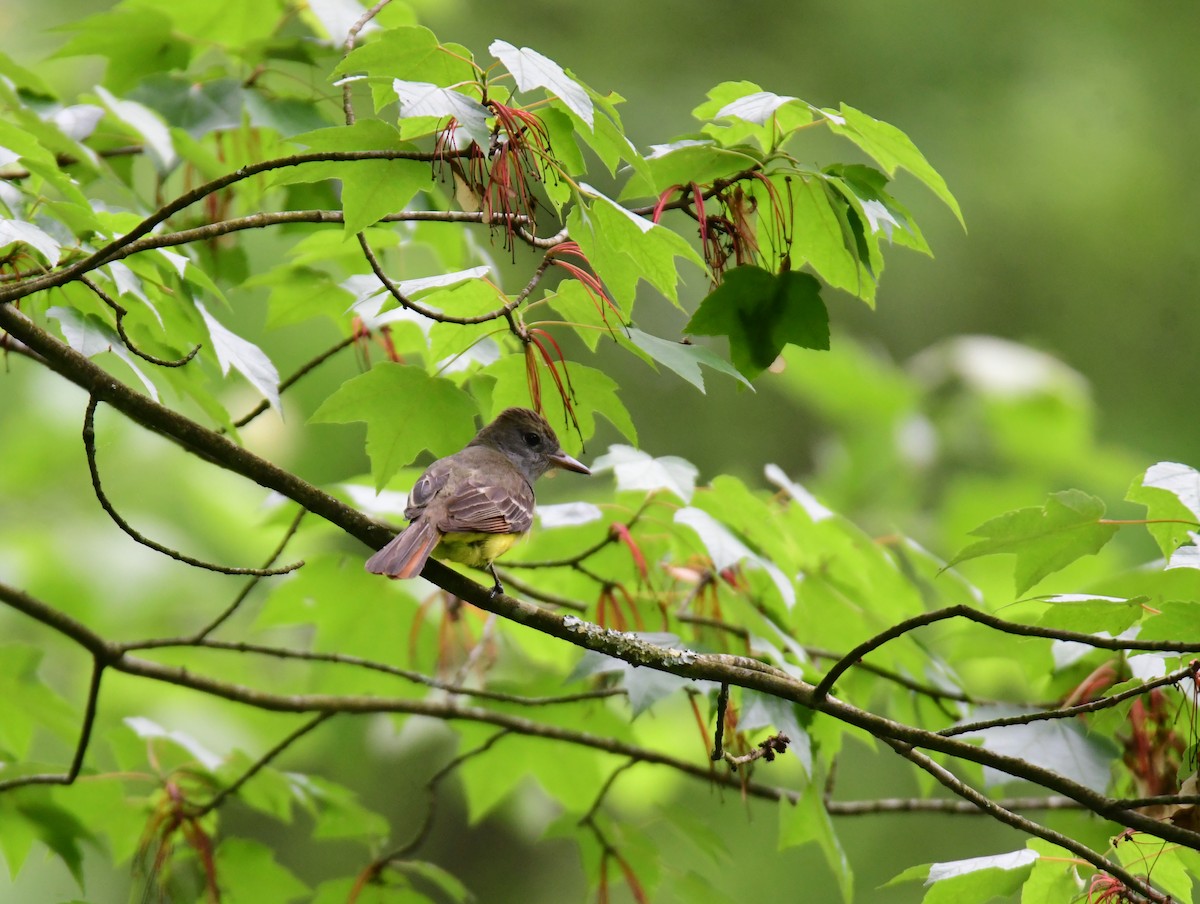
(1066, 131)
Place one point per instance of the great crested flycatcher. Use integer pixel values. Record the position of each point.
(471, 506)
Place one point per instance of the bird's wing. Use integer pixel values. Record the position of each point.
(481, 506)
(426, 487)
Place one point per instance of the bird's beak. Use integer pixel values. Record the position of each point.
(561, 459)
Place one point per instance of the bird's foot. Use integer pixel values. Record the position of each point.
(497, 588)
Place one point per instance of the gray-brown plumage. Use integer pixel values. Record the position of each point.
(471, 506)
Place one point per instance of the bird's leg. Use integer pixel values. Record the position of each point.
(498, 588)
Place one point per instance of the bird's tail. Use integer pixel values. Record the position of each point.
(407, 554)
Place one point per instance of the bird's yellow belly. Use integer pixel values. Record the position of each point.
(476, 549)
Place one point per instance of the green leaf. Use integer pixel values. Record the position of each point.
(866, 187)
(100, 803)
(243, 356)
(726, 550)
(1045, 539)
(564, 147)
(90, 336)
(27, 702)
(336, 810)
(683, 358)
(1169, 871)
(736, 112)
(532, 70)
(17, 834)
(16, 141)
(54, 826)
(145, 122)
(24, 78)
(760, 313)
(223, 22)
(405, 410)
(757, 108)
(407, 53)
(249, 874)
(824, 237)
(18, 232)
(198, 108)
(308, 598)
(339, 891)
(979, 879)
(591, 318)
(684, 162)
(1175, 619)
(891, 149)
(594, 393)
(645, 686)
(1170, 492)
(637, 471)
(370, 188)
(1058, 745)
(424, 100)
(447, 883)
(607, 139)
(1090, 614)
(1053, 876)
(267, 791)
(807, 821)
(623, 247)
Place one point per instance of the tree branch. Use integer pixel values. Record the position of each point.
(999, 624)
(111, 251)
(1072, 711)
(89, 445)
(262, 762)
(81, 746)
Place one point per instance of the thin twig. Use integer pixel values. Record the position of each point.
(81, 746)
(261, 763)
(64, 160)
(237, 646)
(767, 749)
(302, 371)
(121, 313)
(254, 579)
(266, 219)
(347, 46)
(431, 787)
(999, 624)
(718, 751)
(604, 789)
(89, 445)
(112, 250)
(1071, 711)
(429, 313)
(542, 596)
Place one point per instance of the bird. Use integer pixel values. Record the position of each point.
(472, 506)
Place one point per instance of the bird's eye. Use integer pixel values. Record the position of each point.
(533, 440)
